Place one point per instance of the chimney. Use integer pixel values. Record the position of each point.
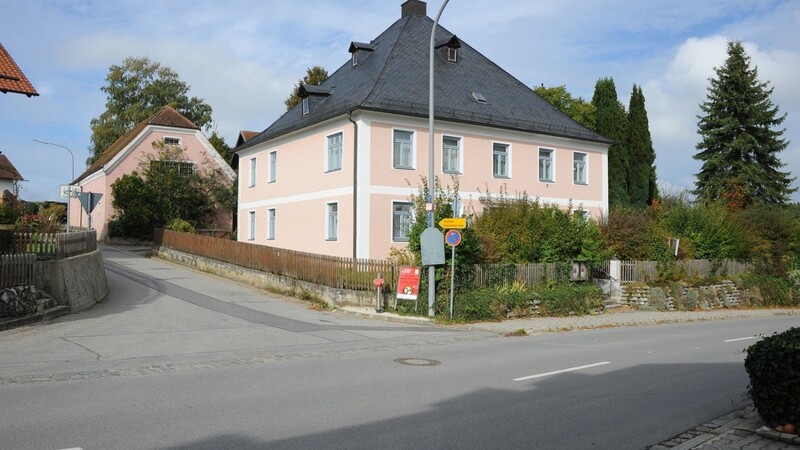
(413, 7)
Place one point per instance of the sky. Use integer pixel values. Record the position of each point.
(243, 58)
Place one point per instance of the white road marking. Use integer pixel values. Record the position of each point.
(741, 339)
(571, 369)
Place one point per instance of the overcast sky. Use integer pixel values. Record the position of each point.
(243, 57)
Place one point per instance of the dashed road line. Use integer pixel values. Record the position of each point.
(741, 339)
(556, 372)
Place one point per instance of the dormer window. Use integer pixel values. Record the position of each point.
(305, 106)
(309, 91)
(452, 54)
(356, 48)
(451, 45)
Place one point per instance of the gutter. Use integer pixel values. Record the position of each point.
(355, 183)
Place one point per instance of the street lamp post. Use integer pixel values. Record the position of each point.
(69, 186)
(431, 184)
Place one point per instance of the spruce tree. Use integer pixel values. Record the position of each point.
(739, 143)
(611, 123)
(642, 183)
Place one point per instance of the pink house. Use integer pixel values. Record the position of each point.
(167, 126)
(334, 174)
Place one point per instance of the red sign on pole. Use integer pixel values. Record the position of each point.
(408, 283)
(453, 237)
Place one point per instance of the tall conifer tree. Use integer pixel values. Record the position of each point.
(642, 185)
(739, 143)
(611, 123)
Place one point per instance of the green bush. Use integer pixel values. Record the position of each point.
(770, 290)
(180, 225)
(569, 299)
(773, 365)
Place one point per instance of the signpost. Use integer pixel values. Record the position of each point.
(450, 223)
(453, 238)
(89, 200)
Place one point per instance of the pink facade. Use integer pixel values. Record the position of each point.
(196, 147)
(294, 210)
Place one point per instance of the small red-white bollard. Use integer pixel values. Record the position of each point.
(378, 282)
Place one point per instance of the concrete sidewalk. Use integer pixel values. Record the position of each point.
(739, 430)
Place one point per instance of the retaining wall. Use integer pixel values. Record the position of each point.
(263, 280)
(675, 297)
(78, 282)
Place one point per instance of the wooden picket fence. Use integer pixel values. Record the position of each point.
(643, 271)
(345, 273)
(20, 251)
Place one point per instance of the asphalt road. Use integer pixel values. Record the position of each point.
(175, 359)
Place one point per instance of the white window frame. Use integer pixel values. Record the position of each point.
(330, 159)
(271, 223)
(410, 221)
(172, 137)
(305, 106)
(575, 178)
(507, 174)
(251, 231)
(355, 57)
(252, 180)
(452, 54)
(273, 167)
(332, 221)
(552, 158)
(459, 152)
(412, 151)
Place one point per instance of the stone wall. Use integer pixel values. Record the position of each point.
(677, 296)
(276, 283)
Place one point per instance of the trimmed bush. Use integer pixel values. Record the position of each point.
(773, 365)
(181, 225)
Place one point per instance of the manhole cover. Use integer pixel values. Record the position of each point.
(417, 362)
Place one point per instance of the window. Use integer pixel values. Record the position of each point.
(403, 149)
(545, 165)
(451, 155)
(273, 166)
(452, 54)
(332, 224)
(334, 153)
(579, 168)
(401, 221)
(252, 172)
(500, 161)
(305, 106)
(172, 140)
(168, 167)
(271, 224)
(251, 231)
(355, 58)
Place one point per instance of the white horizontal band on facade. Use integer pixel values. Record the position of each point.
(318, 195)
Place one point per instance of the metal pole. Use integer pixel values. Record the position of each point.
(431, 191)
(69, 186)
(452, 277)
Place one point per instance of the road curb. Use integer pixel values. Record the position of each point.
(41, 316)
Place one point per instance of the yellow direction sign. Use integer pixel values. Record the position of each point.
(450, 223)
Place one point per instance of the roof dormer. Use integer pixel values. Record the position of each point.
(360, 51)
(311, 94)
(451, 46)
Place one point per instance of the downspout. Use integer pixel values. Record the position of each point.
(355, 183)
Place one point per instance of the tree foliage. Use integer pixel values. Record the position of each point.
(642, 187)
(739, 140)
(222, 147)
(163, 189)
(611, 122)
(314, 75)
(135, 90)
(577, 108)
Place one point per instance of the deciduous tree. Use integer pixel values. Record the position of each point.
(135, 90)
(577, 108)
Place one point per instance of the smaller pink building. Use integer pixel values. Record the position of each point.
(167, 126)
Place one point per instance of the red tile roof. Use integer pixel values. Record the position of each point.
(166, 116)
(11, 77)
(7, 170)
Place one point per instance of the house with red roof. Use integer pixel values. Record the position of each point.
(11, 77)
(334, 174)
(165, 127)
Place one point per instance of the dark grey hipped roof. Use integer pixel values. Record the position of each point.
(394, 79)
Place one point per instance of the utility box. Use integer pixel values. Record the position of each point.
(579, 271)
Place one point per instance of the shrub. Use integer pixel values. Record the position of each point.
(773, 365)
(180, 225)
(769, 290)
(568, 299)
